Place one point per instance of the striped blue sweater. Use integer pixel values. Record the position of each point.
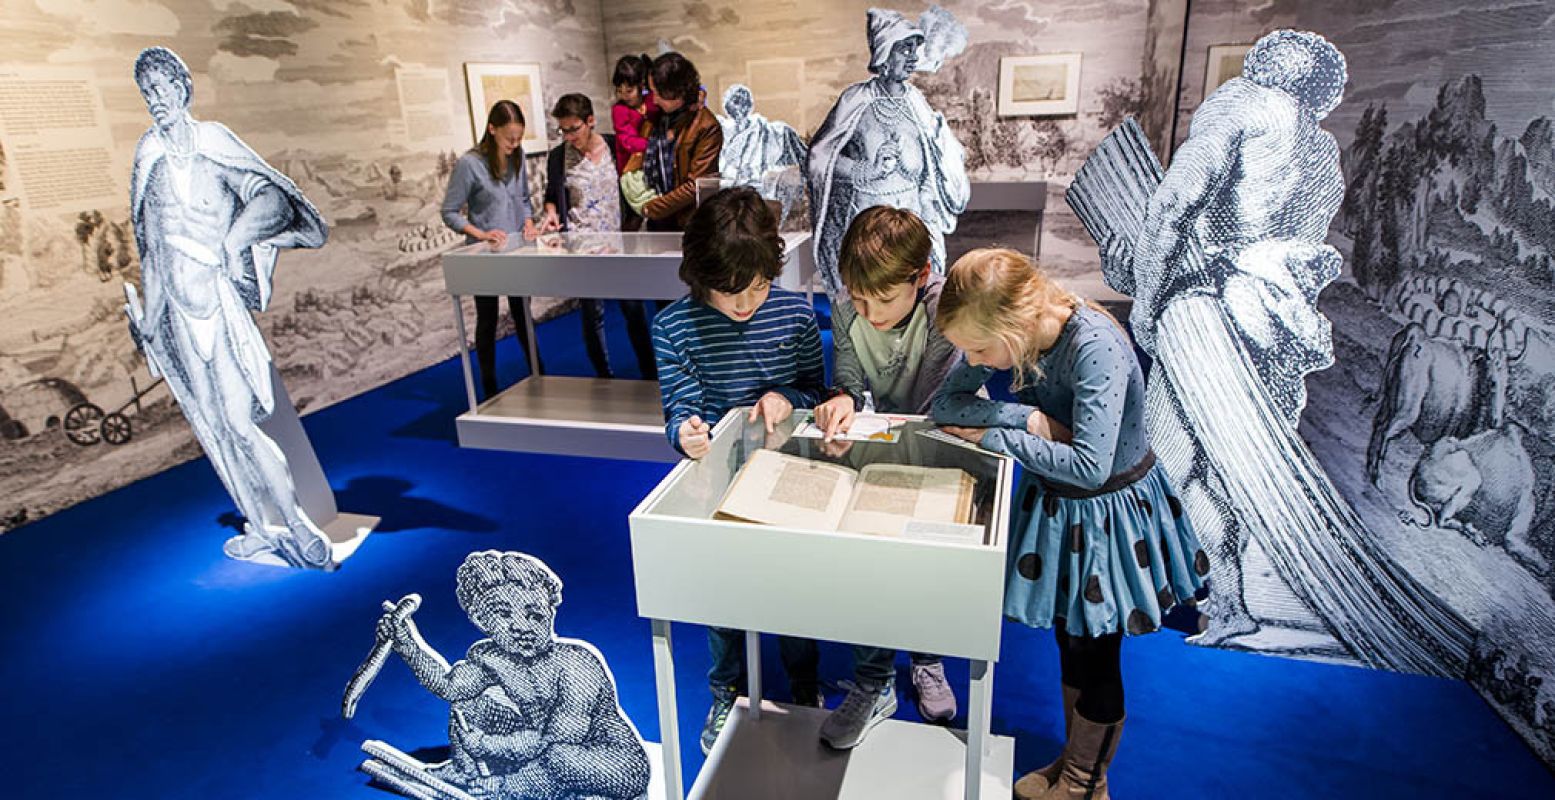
(709, 363)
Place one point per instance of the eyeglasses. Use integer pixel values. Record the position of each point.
(568, 131)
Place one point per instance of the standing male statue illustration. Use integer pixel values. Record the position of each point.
(209, 216)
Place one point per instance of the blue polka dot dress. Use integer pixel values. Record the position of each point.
(1099, 542)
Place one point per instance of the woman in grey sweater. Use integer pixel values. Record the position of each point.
(488, 201)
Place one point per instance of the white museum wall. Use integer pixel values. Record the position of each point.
(1449, 225)
(311, 86)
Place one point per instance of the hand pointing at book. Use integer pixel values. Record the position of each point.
(693, 436)
(773, 408)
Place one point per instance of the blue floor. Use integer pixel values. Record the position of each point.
(140, 663)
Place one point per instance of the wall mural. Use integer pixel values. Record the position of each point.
(531, 714)
(1428, 440)
(357, 103)
(758, 44)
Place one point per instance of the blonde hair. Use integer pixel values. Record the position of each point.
(998, 294)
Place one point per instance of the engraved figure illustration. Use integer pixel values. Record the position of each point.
(532, 715)
(753, 144)
(882, 144)
(209, 216)
(1225, 257)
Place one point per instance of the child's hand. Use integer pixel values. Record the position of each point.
(530, 231)
(551, 223)
(694, 437)
(835, 416)
(396, 630)
(973, 435)
(773, 408)
(1040, 424)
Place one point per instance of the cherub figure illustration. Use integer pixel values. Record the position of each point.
(533, 715)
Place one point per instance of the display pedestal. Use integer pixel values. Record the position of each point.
(545, 414)
(345, 532)
(599, 417)
(886, 591)
(755, 760)
(1012, 196)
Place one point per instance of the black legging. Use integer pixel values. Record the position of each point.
(486, 339)
(1093, 666)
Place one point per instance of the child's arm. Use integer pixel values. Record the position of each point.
(957, 402)
(462, 681)
(847, 371)
(939, 357)
(1101, 378)
(809, 386)
(581, 685)
(628, 135)
(679, 390)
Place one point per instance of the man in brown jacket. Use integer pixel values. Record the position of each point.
(684, 142)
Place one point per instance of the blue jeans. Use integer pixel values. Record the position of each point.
(801, 660)
(872, 666)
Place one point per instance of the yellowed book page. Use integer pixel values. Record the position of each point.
(777, 489)
(887, 496)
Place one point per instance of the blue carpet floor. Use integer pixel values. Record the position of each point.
(139, 663)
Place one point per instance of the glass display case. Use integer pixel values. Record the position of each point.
(931, 595)
(611, 418)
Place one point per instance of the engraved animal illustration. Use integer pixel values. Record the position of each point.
(1435, 389)
(1480, 486)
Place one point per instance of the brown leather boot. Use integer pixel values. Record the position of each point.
(1086, 757)
(1033, 784)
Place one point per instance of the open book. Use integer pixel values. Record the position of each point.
(885, 499)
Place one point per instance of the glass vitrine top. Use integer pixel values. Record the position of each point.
(583, 244)
(697, 490)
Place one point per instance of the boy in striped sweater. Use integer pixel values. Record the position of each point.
(737, 341)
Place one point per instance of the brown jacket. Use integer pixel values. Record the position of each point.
(698, 143)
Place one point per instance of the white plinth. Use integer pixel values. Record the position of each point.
(345, 532)
(779, 756)
(597, 417)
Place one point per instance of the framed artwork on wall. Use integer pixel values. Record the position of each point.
(1225, 63)
(488, 83)
(1042, 86)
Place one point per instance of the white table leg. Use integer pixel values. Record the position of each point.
(534, 346)
(753, 671)
(669, 730)
(464, 353)
(979, 700)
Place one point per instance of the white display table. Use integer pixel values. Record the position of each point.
(1012, 196)
(612, 418)
(916, 595)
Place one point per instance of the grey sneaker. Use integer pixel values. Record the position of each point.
(936, 703)
(863, 708)
(723, 703)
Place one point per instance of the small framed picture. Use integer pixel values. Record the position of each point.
(1225, 63)
(1040, 86)
(488, 83)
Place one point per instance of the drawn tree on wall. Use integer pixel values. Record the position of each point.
(87, 223)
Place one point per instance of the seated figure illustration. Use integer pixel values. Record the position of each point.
(532, 715)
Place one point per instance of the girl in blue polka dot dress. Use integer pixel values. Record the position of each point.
(1099, 544)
